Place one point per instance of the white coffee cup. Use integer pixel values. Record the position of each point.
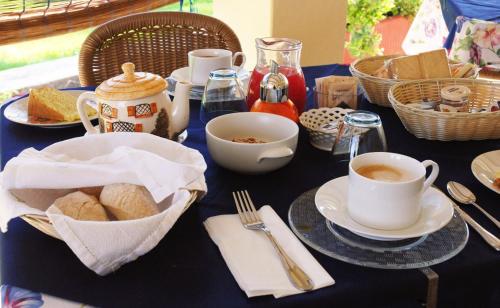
(203, 61)
(388, 205)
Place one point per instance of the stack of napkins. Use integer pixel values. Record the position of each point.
(252, 259)
(171, 172)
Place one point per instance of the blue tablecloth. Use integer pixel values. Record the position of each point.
(186, 268)
(480, 9)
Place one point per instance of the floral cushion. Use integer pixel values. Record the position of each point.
(476, 41)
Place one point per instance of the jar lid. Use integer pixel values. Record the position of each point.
(455, 92)
(131, 85)
(274, 86)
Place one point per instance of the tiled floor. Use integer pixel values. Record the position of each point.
(57, 73)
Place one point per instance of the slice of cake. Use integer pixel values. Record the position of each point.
(52, 104)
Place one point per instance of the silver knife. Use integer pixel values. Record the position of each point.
(487, 236)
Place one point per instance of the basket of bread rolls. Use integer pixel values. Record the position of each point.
(114, 202)
(377, 74)
(449, 108)
(110, 197)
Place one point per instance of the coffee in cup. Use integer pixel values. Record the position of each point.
(384, 173)
(203, 61)
(385, 189)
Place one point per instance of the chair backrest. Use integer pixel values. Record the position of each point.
(156, 42)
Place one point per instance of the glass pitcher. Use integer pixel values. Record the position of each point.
(286, 52)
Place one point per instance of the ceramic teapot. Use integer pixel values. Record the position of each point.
(137, 102)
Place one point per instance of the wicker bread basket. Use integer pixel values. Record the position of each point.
(376, 88)
(42, 222)
(445, 126)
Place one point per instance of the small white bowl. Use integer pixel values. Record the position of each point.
(280, 134)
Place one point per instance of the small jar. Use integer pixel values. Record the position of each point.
(457, 97)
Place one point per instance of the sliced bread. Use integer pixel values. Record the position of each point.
(52, 104)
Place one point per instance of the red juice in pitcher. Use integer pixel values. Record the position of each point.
(296, 84)
(286, 53)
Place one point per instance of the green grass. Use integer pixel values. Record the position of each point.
(202, 7)
(65, 45)
(34, 51)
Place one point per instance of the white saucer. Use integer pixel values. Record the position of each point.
(484, 167)
(182, 74)
(196, 93)
(331, 202)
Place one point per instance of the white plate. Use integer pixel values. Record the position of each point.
(17, 112)
(484, 167)
(331, 202)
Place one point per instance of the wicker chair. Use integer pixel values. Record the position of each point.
(155, 42)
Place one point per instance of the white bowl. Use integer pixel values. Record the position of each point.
(280, 134)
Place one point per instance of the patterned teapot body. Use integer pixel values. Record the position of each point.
(137, 102)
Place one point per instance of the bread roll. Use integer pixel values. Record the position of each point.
(128, 201)
(81, 206)
(93, 191)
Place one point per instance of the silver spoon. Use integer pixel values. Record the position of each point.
(463, 195)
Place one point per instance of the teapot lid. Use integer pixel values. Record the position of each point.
(131, 85)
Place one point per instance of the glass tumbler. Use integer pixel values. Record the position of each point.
(223, 94)
(359, 132)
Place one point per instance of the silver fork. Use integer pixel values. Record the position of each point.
(251, 220)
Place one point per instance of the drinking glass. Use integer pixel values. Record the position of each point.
(223, 94)
(359, 132)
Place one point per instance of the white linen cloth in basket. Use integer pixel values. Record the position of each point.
(168, 170)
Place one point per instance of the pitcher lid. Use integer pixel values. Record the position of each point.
(131, 85)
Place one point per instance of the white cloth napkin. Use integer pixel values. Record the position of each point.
(170, 172)
(252, 259)
(161, 165)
